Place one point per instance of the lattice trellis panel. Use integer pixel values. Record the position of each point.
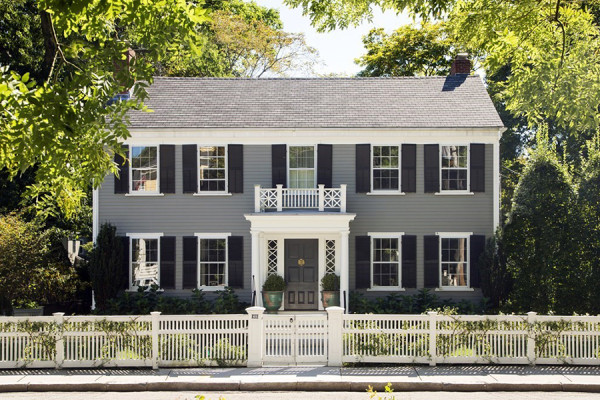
(329, 256)
(271, 257)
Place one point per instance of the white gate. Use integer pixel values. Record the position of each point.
(295, 339)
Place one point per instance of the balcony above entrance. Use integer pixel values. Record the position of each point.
(284, 199)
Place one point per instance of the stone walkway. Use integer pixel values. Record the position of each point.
(306, 378)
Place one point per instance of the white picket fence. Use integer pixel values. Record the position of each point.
(331, 338)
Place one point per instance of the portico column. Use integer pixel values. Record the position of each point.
(256, 266)
(345, 270)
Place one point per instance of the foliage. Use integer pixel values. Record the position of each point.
(408, 51)
(227, 302)
(330, 282)
(418, 303)
(495, 280)
(105, 265)
(274, 283)
(373, 393)
(31, 268)
(58, 117)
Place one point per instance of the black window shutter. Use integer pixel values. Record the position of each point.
(477, 249)
(167, 262)
(431, 246)
(190, 168)
(190, 262)
(409, 261)
(363, 168)
(324, 164)
(122, 181)
(477, 165)
(235, 173)
(409, 168)
(235, 262)
(279, 164)
(432, 168)
(125, 278)
(167, 168)
(363, 262)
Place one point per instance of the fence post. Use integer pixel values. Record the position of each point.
(335, 336)
(432, 337)
(60, 343)
(531, 317)
(343, 198)
(279, 197)
(321, 197)
(255, 336)
(155, 328)
(257, 198)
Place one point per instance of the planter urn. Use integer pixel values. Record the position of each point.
(330, 298)
(272, 300)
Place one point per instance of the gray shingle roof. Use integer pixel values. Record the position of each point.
(412, 102)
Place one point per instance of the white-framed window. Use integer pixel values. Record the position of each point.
(212, 168)
(143, 174)
(386, 260)
(454, 260)
(212, 261)
(144, 256)
(454, 168)
(302, 167)
(385, 168)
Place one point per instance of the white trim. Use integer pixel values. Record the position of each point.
(386, 235)
(306, 225)
(453, 235)
(287, 164)
(468, 168)
(204, 235)
(454, 193)
(497, 183)
(144, 235)
(386, 289)
(95, 214)
(144, 193)
(386, 193)
(454, 288)
(372, 155)
(212, 192)
(212, 236)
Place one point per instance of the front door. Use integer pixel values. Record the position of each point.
(301, 270)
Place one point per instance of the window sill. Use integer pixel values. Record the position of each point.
(144, 194)
(212, 194)
(386, 289)
(454, 289)
(212, 288)
(453, 193)
(385, 193)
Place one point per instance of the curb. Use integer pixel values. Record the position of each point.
(304, 386)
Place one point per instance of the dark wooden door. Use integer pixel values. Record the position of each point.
(301, 271)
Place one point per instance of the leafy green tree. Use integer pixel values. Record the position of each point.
(63, 122)
(541, 256)
(106, 266)
(408, 51)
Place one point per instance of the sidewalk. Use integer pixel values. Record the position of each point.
(305, 378)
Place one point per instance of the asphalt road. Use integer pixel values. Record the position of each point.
(299, 396)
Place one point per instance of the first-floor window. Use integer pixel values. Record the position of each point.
(454, 265)
(144, 262)
(213, 262)
(386, 262)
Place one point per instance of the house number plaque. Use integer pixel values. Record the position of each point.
(301, 262)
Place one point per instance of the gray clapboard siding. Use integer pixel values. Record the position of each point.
(414, 213)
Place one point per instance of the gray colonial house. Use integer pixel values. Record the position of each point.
(391, 183)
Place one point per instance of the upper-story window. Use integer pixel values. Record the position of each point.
(213, 262)
(453, 262)
(144, 262)
(212, 169)
(144, 169)
(386, 168)
(455, 168)
(301, 167)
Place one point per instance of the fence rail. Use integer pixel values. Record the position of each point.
(331, 338)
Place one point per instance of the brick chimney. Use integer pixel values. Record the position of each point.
(461, 64)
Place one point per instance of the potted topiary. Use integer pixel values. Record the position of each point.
(330, 290)
(272, 292)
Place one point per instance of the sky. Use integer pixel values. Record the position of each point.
(339, 48)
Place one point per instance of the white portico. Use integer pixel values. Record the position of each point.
(272, 231)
